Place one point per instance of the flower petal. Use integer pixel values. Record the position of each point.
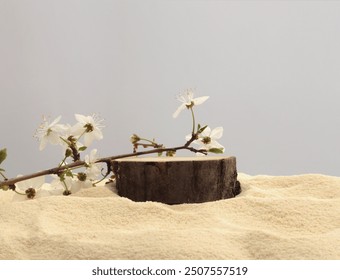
(93, 155)
(200, 100)
(87, 159)
(88, 139)
(97, 133)
(215, 144)
(43, 144)
(188, 137)
(217, 133)
(35, 183)
(52, 189)
(206, 132)
(179, 109)
(77, 130)
(55, 121)
(53, 138)
(93, 171)
(81, 118)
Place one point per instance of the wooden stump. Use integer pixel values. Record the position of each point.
(175, 180)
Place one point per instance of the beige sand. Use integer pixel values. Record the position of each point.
(294, 217)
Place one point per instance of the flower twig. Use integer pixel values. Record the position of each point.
(107, 160)
(89, 128)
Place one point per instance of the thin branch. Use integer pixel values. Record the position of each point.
(107, 160)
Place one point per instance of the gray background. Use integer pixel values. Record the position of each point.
(272, 69)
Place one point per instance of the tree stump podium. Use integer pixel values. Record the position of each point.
(176, 180)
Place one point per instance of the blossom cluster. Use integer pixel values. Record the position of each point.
(206, 138)
(59, 134)
(202, 136)
(69, 137)
(75, 139)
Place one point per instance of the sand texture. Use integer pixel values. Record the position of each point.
(291, 217)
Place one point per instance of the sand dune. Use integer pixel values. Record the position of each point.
(291, 217)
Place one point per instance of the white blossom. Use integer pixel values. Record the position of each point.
(50, 132)
(188, 101)
(58, 187)
(207, 138)
(37, 183)
(70, 133)
(92, 168)
(90, 126)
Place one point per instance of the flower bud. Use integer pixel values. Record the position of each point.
(72, 139)
(66, 192)
(134, 138)
(81, 176)
(68, 152)
(30, 193)
(170, 153)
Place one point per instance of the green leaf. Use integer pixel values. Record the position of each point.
(202, 129)
(216, 151)
(2, 170)
(198, 127)
(83, 148)
(3, 155)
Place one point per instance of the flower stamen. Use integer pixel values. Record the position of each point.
(206, 140)
(89, 127)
